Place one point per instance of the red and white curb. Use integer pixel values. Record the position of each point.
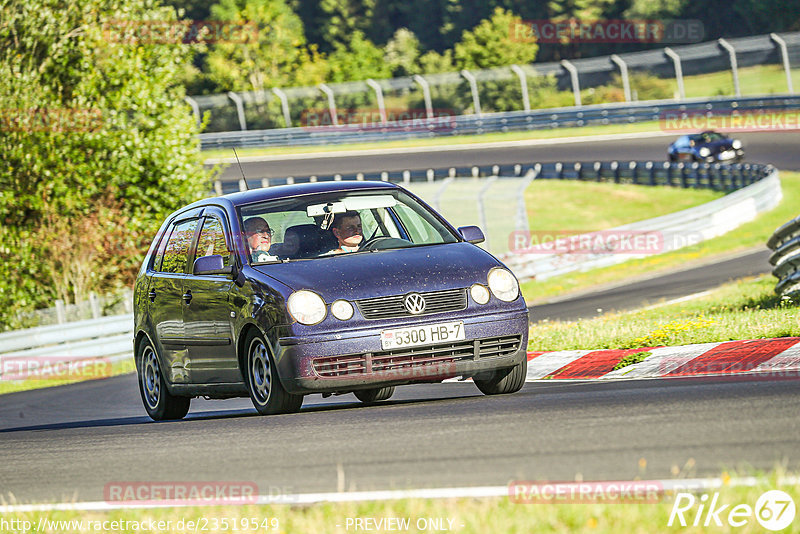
(779, 358)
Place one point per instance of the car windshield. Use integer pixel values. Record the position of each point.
(317, 226)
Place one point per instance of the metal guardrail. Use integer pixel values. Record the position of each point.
(600, 114)
(716, 176)
(785, 243)
(110, 338)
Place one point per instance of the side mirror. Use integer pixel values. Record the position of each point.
(472, 234)
(211, 265)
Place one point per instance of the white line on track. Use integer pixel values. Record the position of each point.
(667, 485)
(443, 148)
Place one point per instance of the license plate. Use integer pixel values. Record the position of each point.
(422, 335)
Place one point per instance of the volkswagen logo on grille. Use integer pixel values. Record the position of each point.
(414, 303)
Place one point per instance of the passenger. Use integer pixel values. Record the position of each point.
(259, 238)
(348, 232)
(290, 246)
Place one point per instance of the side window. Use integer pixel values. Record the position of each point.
(212, 240)
(176, 254)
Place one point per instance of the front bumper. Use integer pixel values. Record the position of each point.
(355, 360)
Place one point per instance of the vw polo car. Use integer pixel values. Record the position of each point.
(416, 301)
(707, 147)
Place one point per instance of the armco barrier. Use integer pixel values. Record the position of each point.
(110, 338)
(785, 243)
(493, 122)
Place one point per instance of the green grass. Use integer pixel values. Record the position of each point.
(576, 207)
(745, 309)
(632, 359)
(6, 386)
(756, 80)
(752, 234)
(585, 131)
(477, 515)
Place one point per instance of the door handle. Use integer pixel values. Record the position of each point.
(187, 297)
(152, 295)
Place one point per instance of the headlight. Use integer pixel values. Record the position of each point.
(306, 307)
(503, 284)
(704, 152)
(736, 144)
(479, 293)
(342, 310)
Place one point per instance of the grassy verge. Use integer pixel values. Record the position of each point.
(463, 516)
(749, 235)
(584, 131)
(756, 80)
(11, 386)
(745, 309)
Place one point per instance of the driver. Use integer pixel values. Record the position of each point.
(347, 231)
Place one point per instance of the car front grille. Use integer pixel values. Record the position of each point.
(415, 362)
(391, 307)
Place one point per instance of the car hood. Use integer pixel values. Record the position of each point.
(386, 272)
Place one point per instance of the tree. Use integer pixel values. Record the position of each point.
(491, 44)
(277, 56)
(358, 59)
(402, 53)
(94, 129)
(341, 19)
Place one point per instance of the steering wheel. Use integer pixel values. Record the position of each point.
(365, 245)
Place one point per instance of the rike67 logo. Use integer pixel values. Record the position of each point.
(774, 510)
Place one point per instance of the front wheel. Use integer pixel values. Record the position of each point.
(266, 391)
(368, 396)
(160, 404)
(503, 381)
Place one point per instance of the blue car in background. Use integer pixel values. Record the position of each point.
(415, 301)
(706, 147)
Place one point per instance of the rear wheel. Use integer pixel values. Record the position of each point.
(266, 391)
(160, 404)
(503, 381)
(368, 396)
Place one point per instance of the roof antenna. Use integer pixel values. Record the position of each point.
(244, 180)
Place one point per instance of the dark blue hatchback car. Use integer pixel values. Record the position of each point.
(327, 288)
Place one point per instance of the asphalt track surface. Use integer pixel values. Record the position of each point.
(777, 148)
(68, 442)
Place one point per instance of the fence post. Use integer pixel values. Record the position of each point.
(634, 167)
(195, 108)
(473, 87)
(379, 95)
(573, 74)
(239, 109)
(579, 170)
(623, 68)
(522, 211)
(676, 61)
(61, 312)
(94, 304)
(523, 84)
(651, 171)
(615, 168)
(331, 102)
(598, 170)
(426, 94)
(127, 300)
(560, 170)
(734, 64)
(482, 210)
(287, 118)
(785, 57)
(682, 168)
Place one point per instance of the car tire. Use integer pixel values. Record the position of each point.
(368, 396)
(160, 404)
(503, 381)
(266, 391)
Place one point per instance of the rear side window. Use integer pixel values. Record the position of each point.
(212, 241)
(176, 253)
